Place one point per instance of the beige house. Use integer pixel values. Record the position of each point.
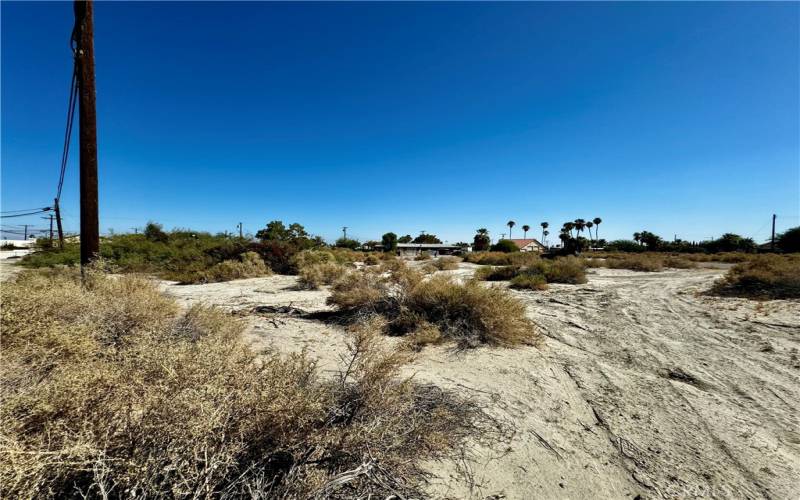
(529, 245)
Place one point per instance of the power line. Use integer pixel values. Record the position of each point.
(73, 92)
(41, 211)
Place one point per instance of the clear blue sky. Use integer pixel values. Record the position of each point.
(671, 117)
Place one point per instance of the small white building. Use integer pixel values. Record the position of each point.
(413, 249)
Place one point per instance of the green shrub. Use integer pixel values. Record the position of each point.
(111, 389)
(636, 262)
(789, 240)
(765, 277)
(250, 265)
(505, 246)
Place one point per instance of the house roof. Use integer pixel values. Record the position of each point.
(523, 243)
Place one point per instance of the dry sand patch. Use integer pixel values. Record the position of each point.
(645, 386)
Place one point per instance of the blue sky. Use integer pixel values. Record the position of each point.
(678, 118)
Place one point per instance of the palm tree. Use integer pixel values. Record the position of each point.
(589, 226)
(525, 230)
(544, 225)
(510, 224)
(567, 228)
(544, 237)
(483, 231)
(637, 237)
(597, 221)
(580, 225)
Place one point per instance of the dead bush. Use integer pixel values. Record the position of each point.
(467, 313)
(636, 262)
(447, 263)
(501, 273)
(423, 256)
(502, 258)
(677, 262)
(111, 391)
(569, 270)
(311, 277)
(762, 277)
(371, 260)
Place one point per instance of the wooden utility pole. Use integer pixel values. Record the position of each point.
(772, 240)
(26, 233)
(51, 230)
(344, 231)
(84, 60)
(58, 224)
(240, 230)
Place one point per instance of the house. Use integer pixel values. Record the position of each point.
(529, 245)
(412, 249)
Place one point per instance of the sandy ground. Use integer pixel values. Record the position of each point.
(644, 387)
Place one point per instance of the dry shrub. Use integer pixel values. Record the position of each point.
(502, 258)
(636, 262)
(371, 260)
(110, 391)
(311, 277)
(468, 313)
(308, 258)
(764, 277)
(423, 256)
(428, 268)
(249, 265)
(677, 262)
(446, 263)
(569, 270)
(502, 273)
(529, 282)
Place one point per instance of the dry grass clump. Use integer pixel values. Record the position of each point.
(423, 256)
(529, 282)
(371, 260)
(763, 277)
(636, 262)
(447, 263)
(311, 277)
(570, 270)
(111, 391)
(501, 273)
(468, 313)
(678, 262)
(249, 265)
(502, 258)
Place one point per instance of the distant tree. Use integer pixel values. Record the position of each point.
(589, 225)
(389, 242)
(730, 242)
(789, 240)
(637, 237)
(597, 221)
(510, 224)
(405, 239)
(427, 238)
(481, 241)
(506, 246)
(154, 231)
(347, 243)
(580, 225)
(544, 225)
(544, 236)
(568, 227)
(651, 241)
(525, 230)
(275, 231)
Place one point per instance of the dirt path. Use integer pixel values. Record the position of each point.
(644, 387)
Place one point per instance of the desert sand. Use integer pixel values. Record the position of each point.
(644, 387)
